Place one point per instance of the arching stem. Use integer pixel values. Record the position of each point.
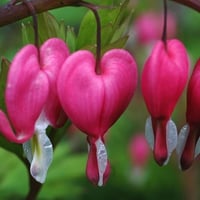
(164, 34)
(35, 22)
(94, 9)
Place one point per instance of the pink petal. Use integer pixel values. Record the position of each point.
(26, 91)
(53, 53)
(164, 77)
(193, 119)
(95, 101)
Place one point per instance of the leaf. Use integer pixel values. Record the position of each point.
(27, 33)
(114, 27)
(3, 77)
(71, 39)
(55, 135)
(120, 43)
(48, 27)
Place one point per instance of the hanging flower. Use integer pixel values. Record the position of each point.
(94, 101)
(163, 79)
(139, 154)
(188, 147)
(32, 103)
(146, 35)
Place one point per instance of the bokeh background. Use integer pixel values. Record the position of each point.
(66, 177)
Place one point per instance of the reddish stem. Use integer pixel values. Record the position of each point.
(13, 13)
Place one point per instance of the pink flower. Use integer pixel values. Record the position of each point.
(149, 27)
(139, 150)
(32, 102)
(53, 54)
(26, 92)
(94, 101)
(163, 79)
(188, 147)
(139, 154)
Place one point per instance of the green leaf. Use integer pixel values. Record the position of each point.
(114, 27)
(3, 77)
(71, 39)
(12, 147)
(48, 27)
(116, 44)
(27, 33)
(55, 135)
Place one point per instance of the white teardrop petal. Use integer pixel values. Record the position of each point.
(182, 138)
(149, 132)
(42, 157)
(197, 148)
(102, 159)
(28, 150)
(171, 138)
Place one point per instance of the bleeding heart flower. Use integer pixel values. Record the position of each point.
(139, 155)
(53, 54)
(39, 150)
(32, 102)
(163, 80)
(26, 92)
(139, 150)
(94, 101)
(146, 35)
(188, 147)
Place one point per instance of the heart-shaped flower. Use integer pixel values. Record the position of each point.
(39, 150)
(163, 79)
(32, 102)
(26, 92)
(94, 101)
(53, 53)
(188, 147)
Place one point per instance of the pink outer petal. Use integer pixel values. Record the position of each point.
(164, 77)
(6, 130)
(193, 97)
(94, 102)
(188, 154)
(26, 91)
(53, 53)
(193, 118)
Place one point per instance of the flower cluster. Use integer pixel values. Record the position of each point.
(47, 85)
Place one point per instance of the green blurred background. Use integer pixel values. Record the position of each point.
(66, 177)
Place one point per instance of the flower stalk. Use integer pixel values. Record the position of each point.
(10, 14)
(94, 8)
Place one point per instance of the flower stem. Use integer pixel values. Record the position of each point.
(94, 8)
(34, 186)
(34, 189)
(164, 34)
(35, 22)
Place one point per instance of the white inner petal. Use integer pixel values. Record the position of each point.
(149, 132)
(171, 138)
(39, 152)
(197, 148)
(101, 160)
(182, 138)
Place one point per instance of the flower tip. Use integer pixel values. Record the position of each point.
(161, 157)
(185, 163)
(98, 166)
